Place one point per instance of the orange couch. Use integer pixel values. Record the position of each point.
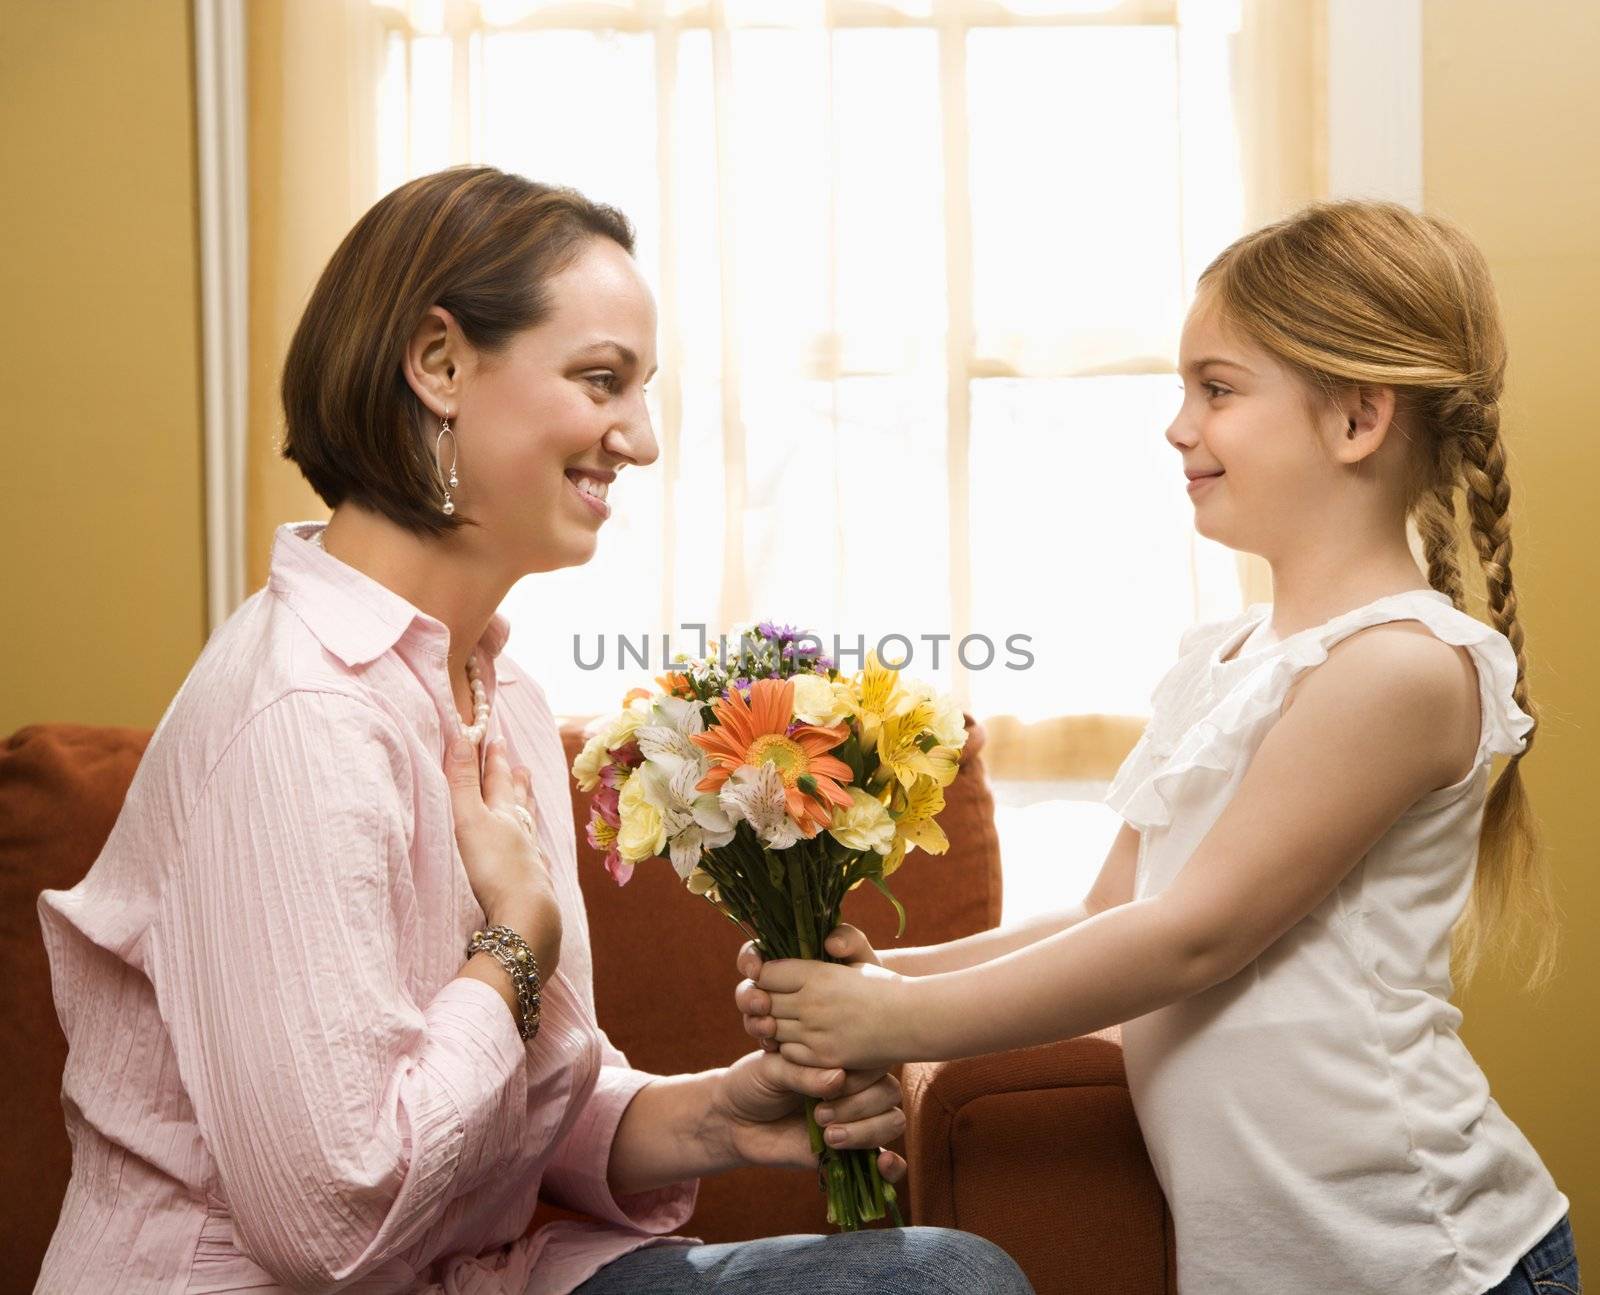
(1037, 1150)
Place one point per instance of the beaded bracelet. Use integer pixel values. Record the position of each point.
(511, 951)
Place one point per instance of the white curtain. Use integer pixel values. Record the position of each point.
(921, 267)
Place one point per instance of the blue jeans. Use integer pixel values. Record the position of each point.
(882, 1261)
(1550, 1268)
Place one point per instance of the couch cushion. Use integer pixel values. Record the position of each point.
(61, 787)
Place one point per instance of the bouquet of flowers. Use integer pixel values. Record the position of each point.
(774, 785)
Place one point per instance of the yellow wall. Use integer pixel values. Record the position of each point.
(102, 596)
(1510, 106)
(309, 183)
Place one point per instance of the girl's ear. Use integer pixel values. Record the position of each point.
(433, 361)
(1369, 414)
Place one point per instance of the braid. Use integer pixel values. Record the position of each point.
(1513, 892)
(1436, 523)
(1483, 469)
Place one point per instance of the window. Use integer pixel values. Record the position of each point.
(921, 268)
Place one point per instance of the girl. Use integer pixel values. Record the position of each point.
(1306, 815)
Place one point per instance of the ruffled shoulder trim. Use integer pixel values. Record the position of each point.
(1197, 646)
(1210, 634)
(1146, 790)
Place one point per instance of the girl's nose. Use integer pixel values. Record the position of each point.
(1180, 433)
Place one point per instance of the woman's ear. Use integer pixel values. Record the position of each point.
(434, 359)
(1369, 414)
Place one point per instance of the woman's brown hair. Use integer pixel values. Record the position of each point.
(1371, 292)
(478, 241)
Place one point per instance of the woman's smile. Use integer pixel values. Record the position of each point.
(590, 487)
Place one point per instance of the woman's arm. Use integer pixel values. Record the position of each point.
(1370, 731)
(509, 876)
(1112, 887)
(343, 1115)
(749, 1113)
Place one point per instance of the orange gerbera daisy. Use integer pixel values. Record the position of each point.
(758, 732)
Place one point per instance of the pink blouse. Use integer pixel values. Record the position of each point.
(276, 1077)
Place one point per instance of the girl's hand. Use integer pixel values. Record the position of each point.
(844, 941)
(499, 850)
(859, 1016)
(759, 1104)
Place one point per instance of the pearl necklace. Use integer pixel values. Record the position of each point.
(474, 731)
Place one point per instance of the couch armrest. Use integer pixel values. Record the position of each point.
(1039, 1151)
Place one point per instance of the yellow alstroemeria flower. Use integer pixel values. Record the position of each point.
(949, 724)
(901, 740)
(946, 763)
(914, 824)
(874, 691)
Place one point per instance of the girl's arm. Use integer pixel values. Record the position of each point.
(1113, 887)
(1375, 727)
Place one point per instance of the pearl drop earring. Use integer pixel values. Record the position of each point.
(444, 428)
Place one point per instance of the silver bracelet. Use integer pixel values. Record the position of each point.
(511, 951)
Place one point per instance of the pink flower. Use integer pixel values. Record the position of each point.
(604, 804)
(619, 868)
(603, 836)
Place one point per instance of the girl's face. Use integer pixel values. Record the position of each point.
(546, 425)
(1264, 456)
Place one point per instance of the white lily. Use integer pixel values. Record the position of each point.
(694, 819)
(755, 793)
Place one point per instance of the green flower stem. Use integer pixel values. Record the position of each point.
(788, 901)
(798, 895)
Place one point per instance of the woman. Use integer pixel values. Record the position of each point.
(286, 1068)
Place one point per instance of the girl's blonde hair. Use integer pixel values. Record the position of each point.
(1371, 292)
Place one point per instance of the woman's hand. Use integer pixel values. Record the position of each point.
(858, 1016)
(505, 867)
(759, 1104)
(844, 941)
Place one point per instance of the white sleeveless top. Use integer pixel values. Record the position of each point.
(1315, 1121)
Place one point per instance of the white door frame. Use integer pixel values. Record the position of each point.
(1374, 80)
(220, 106)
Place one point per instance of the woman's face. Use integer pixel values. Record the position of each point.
(547, 424)
(1264, 455)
